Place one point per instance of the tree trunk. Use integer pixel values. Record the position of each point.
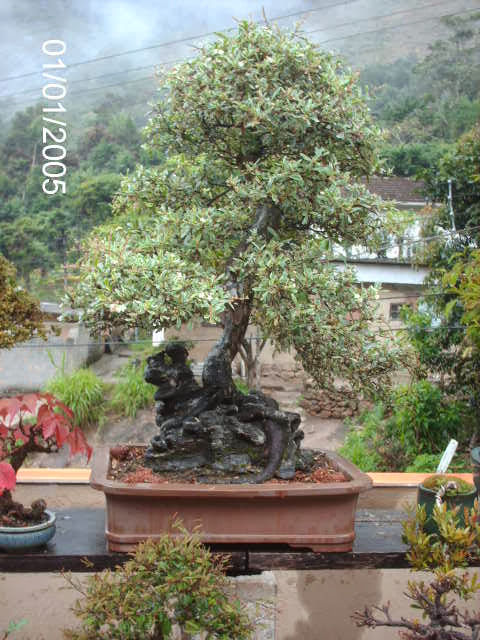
(217, 369)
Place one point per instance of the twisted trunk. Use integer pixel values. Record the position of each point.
(217, 371)
(215, 426)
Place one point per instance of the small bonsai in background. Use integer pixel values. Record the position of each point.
(171, 588)
(29, 423)
(442, 554)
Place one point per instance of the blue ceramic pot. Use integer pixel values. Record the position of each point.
(19, 538)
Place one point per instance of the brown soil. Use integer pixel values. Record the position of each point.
(127, 465)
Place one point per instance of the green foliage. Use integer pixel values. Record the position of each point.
(464, 280)
(442, 554)
(83, 392)
(423, 420)
(410, 159)
(420, 421)
(428, 463)
(267, 138)
(426, 103)
(12, 627)
(169, 583)
(358, 441)
(438, 481)
(241, 386)
(39, 231)
(20, 315)
(131, 393)
(444, 330)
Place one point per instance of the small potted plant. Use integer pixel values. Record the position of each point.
(29, 423)
(443, 489)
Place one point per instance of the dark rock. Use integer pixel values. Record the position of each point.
(215, 426)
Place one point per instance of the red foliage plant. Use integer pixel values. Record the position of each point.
(29, 423)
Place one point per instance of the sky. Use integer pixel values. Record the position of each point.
(96, 28)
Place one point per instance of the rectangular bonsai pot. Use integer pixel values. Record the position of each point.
(318, 516)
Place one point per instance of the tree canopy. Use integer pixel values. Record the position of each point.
(20, 315)
(267, 140)
(445, 329)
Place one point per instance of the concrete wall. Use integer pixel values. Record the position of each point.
(28, 367)
(44, 601)
(285, 605)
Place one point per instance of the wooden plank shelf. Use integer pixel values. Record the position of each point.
(79, 545)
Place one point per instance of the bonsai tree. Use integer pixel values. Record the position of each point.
(269, 143)
(28, 423)
(442, 554)
(172, 587)
(20, 315)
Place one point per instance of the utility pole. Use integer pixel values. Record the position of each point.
(450, 204)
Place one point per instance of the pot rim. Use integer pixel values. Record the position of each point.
(34, 527)
(457, 495)
(359, 482)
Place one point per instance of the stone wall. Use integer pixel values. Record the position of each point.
(326, 404)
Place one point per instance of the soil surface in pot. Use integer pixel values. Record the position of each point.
(436, 482)
(127, 465)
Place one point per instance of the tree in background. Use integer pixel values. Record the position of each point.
(20, 315)
(445, 328)
(40, 234)
(428, 103)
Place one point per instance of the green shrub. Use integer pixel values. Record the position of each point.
(358, 446)
(131, 393)
(428, 463)
(241, 386)
(418, 427)
(171, 581)
(83, 392)
(424, 463)
(423, 419)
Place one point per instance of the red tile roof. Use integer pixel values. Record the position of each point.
(397, 189)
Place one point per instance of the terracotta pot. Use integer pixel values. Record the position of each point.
(319, 516)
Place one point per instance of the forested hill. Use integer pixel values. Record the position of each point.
(424, 101)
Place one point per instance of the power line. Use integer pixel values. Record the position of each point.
(207, 34)
(195, 340)
(398, 26)
(383, 15)
(90, 78)
(4, 96)
(385, 247)
(335, 26)
(181, 40)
